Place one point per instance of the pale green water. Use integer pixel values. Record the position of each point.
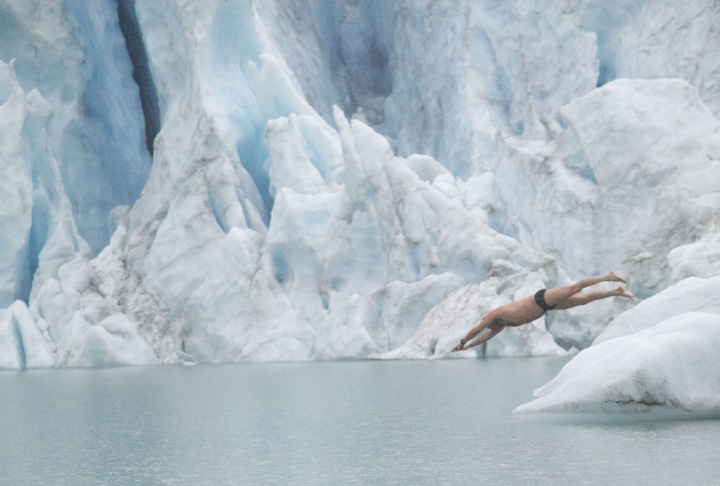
(443, 422)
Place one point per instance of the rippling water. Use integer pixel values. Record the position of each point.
(440, 422)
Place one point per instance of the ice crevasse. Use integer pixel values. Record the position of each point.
(344, 180)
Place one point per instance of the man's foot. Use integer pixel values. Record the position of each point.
(623, 292)
(612, 277)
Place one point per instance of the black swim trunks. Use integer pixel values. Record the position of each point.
(540, 300)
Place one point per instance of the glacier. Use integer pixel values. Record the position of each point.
(217, 181)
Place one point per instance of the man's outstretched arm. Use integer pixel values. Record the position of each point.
(494, 331)
(482, 325)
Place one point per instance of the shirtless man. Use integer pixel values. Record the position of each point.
(528, 309)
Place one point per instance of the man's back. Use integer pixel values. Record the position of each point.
(519, 312)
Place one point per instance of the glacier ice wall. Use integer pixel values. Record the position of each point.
(343, 179)
(74, 55)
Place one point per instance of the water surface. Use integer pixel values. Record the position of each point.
(439, 422)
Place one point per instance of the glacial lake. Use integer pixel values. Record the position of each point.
(366, 423)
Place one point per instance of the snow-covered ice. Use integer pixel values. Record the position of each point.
(345, 179)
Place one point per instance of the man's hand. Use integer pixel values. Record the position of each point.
(459, 347)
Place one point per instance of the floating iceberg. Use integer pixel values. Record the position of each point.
(663, 353)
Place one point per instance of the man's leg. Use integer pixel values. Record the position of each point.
(582, 299)
(554, 297)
